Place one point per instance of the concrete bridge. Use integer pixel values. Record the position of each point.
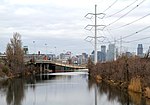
(52, 66)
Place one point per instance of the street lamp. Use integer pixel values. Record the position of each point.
(34, 47)
(34, 51)
(46, 48)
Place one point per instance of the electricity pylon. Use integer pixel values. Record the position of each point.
(90, 27)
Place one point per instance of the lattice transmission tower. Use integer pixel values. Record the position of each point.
(97, 27)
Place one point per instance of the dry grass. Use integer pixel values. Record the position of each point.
(147, 101)
(147, 92)
(135, 85)
(135, 97)
(131, 73)
(98, 79)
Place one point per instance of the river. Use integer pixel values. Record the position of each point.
(69, 88)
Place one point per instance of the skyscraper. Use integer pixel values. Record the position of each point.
(111, 52)
(103, 53)
(103, 48)
(140, 50)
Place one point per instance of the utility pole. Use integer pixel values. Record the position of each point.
(95, 53)
(96, 28)
(95, 94)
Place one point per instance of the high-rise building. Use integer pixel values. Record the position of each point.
(140, 50)
(111, 52)
(98, 56)
(84, 58)
(103, 53)
(103, 48)
(92, 56)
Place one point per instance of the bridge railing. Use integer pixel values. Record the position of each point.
(60, 63)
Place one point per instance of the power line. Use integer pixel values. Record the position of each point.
(135, 32)
(122, 9)
(132, 35)
(131, 22)
(137, 40)
(110, 6)
(108, 30)
(126, 13)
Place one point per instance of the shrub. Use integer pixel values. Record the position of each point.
(5, 69)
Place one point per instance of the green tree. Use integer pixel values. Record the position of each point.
(14, 52)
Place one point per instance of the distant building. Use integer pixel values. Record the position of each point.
(51, 57)
(128, 54)
(62, 56)
(82, 59)
(100, 56)
(103, 53)
(103, 48)
(92, 56)
(79, 59)
(25, 49)
(117, 53)
(140, 50)
(2, 56)
(65, 57)
(74, 60)
(111, 52)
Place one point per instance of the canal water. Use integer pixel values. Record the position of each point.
(70, 88)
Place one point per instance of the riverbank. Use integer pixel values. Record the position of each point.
(7, 73)
(129, 74)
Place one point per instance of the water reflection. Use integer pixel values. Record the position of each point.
(65, 89)
(14, 90)
(115, 94)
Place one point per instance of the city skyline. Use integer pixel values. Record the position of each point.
(58, 26)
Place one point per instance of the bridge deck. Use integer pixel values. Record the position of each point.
(59, 64)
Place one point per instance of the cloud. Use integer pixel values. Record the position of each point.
(3, 9)
(64, 19)
(25, 11)
(27, 2)
(35, 21)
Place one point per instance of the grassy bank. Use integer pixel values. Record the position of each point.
(127, 73)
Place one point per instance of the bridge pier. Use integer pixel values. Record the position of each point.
(46, 71)
(41, 68)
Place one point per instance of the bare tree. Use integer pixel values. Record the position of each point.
(14, 52)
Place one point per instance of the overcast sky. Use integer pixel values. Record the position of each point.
(58, 25)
